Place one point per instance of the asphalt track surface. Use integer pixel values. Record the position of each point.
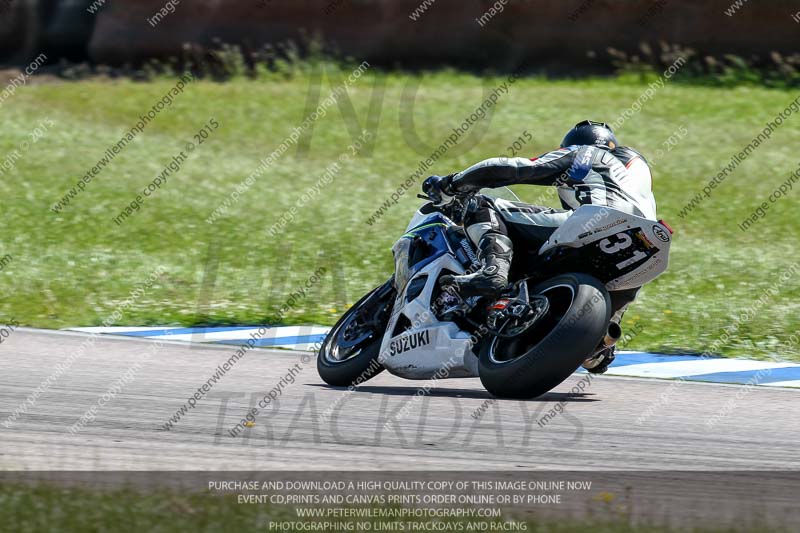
(612, 424)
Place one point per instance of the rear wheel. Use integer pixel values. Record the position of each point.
(349, 354)
(543, 356)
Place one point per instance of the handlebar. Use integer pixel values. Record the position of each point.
(455, 210)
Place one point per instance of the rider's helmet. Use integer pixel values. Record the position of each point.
(592, 133)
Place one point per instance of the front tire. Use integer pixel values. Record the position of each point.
(349, 354)
(540, 358)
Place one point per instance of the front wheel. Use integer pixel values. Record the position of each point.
(349, 354)
(543, 356)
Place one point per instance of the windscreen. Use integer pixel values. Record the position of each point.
(503, 193)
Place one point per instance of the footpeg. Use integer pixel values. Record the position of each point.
(509, 317)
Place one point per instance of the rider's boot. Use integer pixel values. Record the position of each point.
(494, 253)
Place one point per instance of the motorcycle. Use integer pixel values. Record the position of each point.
(554, 315)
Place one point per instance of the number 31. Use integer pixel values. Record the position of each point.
(606, 246)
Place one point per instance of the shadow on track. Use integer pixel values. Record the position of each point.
(462, 393)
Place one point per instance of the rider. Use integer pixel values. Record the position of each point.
(589, 168)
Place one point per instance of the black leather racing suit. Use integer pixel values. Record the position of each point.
(619, 178)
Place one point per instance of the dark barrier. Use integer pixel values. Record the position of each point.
(57, 28)
(416, 32)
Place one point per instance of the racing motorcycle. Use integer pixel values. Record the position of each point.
(554, 315)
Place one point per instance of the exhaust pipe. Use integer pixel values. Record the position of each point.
(612, 335)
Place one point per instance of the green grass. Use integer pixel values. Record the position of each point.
(43, 508)
(74, 268)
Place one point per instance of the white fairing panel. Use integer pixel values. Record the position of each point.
(418, 218)
(428, 347)
(593, 223)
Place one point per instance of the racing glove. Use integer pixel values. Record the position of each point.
(437, 188)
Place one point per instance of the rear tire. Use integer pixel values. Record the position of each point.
(539, 359)
(349, 353)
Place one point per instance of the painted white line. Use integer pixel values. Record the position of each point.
(209, 335)
(693, 368)
(116, 329)
(792, 384)
(244, 334)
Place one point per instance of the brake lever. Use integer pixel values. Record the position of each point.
(423, 197)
